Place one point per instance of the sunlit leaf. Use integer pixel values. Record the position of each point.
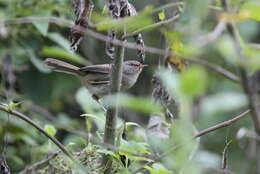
(250, 9)
(161, 15)
(13, 105)
(50, 129)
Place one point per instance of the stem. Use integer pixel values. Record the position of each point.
(252, 95)
(110, 126)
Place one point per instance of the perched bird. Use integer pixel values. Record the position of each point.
(96, 78)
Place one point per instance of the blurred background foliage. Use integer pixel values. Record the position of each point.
(64, 108)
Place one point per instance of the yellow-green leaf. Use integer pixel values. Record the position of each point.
(50, 129)
(161, 15)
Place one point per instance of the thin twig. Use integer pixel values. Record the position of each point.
(253, 97)
(35, 125)
(212, 36)
(117, 42)
(216, 68)
(39, 164)
(199, 134)
(223, 124)
(152, 26)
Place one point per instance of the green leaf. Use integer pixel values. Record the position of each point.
(61, 53)
(105, 10)
(161, 15)
(42, 27)
(60, 40)
(94, 117)
(38, 63)
(128, 124)
(130, 23)
(106, 152)
(93, 109)
(193, 81)
(12, 105)
(135, 147)
(158, 168)
(250, 9)
(226, 48)
(50, 129)
(138, 104)
(252, 55)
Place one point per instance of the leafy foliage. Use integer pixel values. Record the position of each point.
(67, 111)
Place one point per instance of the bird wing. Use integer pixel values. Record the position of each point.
(102, 69)
(92, 82)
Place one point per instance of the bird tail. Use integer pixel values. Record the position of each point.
(61, 66)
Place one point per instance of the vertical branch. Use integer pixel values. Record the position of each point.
(110, 125)
(252, 95)
(115, 88)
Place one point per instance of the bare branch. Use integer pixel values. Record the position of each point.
(199, 134)
(223, 124)
(212, 36)
(117, 42)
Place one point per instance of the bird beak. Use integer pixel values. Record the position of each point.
(142, 66)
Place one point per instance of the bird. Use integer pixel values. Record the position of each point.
(97, 78)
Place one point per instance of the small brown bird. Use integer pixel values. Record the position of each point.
(96, 78)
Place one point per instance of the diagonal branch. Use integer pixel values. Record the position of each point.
(223, 124)
(35, 125)
(199, 134)
(152, 50)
